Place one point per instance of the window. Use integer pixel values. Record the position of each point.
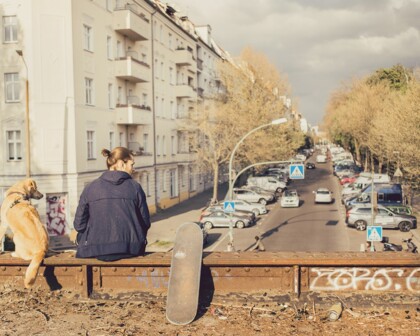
(12, 87)
(109, 5)
(164, 179)
(156, 68)
(111, 140)
(173, 110)
(161, 71)
(109, 47)
(87, 38)
(14, 145)
(110, 96)
(145, 142)
(89, 91)
(173, 145)
(90, 136)
(171, 76)
(170, 41)
(121, 139)
(120, 52)
(158, 151)
(119, 96)
(144, 95)
(10, 29)
(173, 183)
(162, 106)
(163, 145)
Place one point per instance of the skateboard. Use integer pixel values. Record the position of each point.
(184, 276)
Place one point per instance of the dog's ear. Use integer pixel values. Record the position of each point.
(32, 185)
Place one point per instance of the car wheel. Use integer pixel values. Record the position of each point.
(404, 226)
(279, 190)
(262, 201)
(240, 224)
(361, 225)
(208, 225)
(256, 212)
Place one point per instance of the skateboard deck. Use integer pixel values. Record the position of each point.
(185, 272)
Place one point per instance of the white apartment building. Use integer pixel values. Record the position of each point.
(101, 73)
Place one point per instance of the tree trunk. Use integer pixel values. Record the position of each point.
(357, 150)
(372, 162)
(380, 164)
(366, 160)
(215, 182)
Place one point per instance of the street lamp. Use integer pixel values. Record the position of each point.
(27, 143)
(274, 122)
(230, 192)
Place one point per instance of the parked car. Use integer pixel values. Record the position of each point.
(361, 217)
(270, 193)
(400, 209)
(347, 179)
(219, 207)
(246, 207)
(251, 196)
(266, 182)
(310, 165)
(222, 219)
(323, 195)
(321, 158)
(290, 198)
(300, 157)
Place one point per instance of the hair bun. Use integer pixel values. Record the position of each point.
(106, 152)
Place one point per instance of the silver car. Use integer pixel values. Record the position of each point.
(252, 196)
(361, 217)
(222, 219)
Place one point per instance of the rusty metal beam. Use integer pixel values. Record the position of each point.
(223, 272)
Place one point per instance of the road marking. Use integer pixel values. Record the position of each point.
(218, 242)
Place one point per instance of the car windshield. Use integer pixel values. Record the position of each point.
(323, 192)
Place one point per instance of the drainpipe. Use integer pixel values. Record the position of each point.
(153, 108)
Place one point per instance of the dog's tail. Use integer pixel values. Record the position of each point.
(32, 270)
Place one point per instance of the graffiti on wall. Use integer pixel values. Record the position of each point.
(383, 279)
(56, 214)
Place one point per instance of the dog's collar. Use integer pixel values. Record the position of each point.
(17, 200)
(24, 196)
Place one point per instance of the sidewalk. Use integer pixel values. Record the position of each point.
(164, 224)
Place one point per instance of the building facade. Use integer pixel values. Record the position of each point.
(101, 74)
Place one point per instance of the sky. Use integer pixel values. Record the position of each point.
(317, 44)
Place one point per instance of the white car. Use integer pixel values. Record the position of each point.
(290, 198)
(321, 159)
(323, 195)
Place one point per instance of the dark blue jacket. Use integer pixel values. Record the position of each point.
(112, 217)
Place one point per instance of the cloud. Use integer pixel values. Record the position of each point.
(317, 44)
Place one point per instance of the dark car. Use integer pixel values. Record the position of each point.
(310, 165)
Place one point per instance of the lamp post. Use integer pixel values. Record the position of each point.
(230, 191)
(28, 138)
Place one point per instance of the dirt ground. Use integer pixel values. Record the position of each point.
(62, 313)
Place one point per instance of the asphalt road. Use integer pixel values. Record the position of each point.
(311, 227)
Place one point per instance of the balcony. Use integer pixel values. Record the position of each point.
(130, 69)
(128, 114)
(184, 57)
(184, 156)
(185, 91)
(129, 22)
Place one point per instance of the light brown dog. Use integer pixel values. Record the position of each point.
(29, 234)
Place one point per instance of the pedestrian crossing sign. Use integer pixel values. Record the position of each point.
(229, 206)
(374, 233)
(296, 171)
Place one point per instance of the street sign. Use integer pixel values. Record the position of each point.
(229, 206)
(296, 171)
(374, 233)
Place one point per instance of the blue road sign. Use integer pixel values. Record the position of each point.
(296, 171)
(374, 233)
(229, 206)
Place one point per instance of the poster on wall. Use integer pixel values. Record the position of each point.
(57, 214)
